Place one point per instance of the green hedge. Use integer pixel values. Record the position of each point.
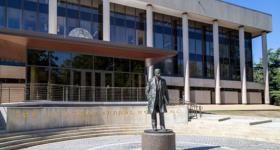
(275, 96)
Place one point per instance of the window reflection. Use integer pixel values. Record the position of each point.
(229, 54)
(137, 66)
(60, 59)
(29, 15)
(43, 15)
(168, 35)
(60, 76)
(68, 68)
(14, 14)
(38, 74)
(201, 50)
(122, 80)
(122, 65)
(249, 56)
(2, 13)
(85, 14)
(127, 25)
(38, 57)
(82, 61)
(103, 63)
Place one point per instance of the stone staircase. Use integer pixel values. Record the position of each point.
(18, 140)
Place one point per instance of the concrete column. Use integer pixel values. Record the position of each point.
(265, 68)
(242, 65)
(53, 17)
(150, 40)
(149, 17)
(150, 68)
(185, 25)
(216, 61)
(106, 20)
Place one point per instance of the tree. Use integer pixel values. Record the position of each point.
(274, 74)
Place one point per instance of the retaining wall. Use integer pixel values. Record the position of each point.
(34, 118)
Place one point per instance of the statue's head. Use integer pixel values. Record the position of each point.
(157, 72)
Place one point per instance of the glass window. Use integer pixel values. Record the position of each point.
(137, 66)
(60, 76)
(85, 14)
(61, 18)
(122, 80)
(201, 50)
(60, 59)
(2, 13)
(122, 64)
(167, 35)
(38, 74)
(38, 57)
(72, 17)
(127, 25)
(43, 15)
(82, 61)
(103, 63)
(140, 26)
(14, 14)
(229, 54)
(249, 56)
(30, 15)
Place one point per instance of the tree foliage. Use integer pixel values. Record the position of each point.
(274, 74)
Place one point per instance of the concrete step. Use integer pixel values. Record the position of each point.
(36, 137)
(9, 136)
(64, 138)
(57, 135)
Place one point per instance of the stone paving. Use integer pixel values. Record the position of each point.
(260, 107)
(183, 142)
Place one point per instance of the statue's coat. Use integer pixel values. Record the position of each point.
(163, 97)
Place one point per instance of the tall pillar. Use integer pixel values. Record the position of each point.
(149, 66)
(265, 68)
(242, 65)
(150, 43)
(149, 17)
(106, 20)
(216, 61)
(53, 17)
(185, 25)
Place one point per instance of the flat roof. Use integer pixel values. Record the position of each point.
(223, 1)
(87, 46)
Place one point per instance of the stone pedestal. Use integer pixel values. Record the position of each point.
(159, 140)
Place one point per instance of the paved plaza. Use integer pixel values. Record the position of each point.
(133, 142)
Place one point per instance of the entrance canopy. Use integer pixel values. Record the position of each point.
(13, 43)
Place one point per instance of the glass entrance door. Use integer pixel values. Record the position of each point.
(103, 86)
(82, 89)
(75, 90)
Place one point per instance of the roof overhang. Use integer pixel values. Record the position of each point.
(86, 46)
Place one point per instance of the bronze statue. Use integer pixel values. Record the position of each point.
(157, 96)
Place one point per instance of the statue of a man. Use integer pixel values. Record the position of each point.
(157, 96)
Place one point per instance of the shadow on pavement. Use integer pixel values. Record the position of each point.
(203, 148)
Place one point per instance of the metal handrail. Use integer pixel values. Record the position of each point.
(56, 92)
(194, 110)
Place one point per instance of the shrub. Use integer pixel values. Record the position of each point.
(275, 97)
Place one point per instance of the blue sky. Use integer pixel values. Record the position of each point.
(269, 6)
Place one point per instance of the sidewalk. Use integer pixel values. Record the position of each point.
(236, 127)
(239, 107)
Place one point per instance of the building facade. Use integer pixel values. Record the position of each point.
(82, 49)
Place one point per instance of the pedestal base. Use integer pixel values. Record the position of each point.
(158, 140)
